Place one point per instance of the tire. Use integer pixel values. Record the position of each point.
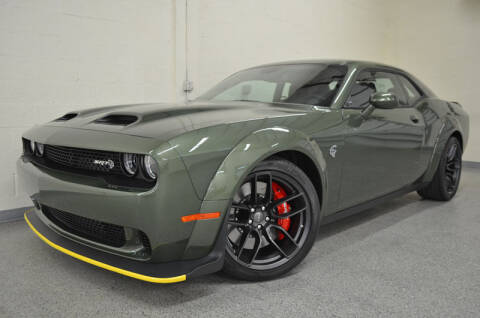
(270, 233)
(445, 182)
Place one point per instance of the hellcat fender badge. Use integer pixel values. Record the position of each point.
(333, 151)
(105, 163)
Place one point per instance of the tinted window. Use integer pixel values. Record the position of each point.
(370, 82)
(312, 84)
(363, 88)
(412, 93)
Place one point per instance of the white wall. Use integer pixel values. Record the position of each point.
(439, 42)
(227, 36)
(59, 55)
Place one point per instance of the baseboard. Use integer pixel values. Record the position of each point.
(13, 214)
(471, 164)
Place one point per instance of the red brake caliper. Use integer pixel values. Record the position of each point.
(279, 193)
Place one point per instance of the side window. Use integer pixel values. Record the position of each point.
(412, 93)
(363, 87)
(370, 82)
(388, 83)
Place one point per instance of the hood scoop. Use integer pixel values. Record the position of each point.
(117, 119)
(67, 117)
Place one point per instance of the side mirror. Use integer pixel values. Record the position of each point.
(384, 100)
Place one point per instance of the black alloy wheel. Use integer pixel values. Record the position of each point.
(444, 184)
(453, 168)
(272, 221)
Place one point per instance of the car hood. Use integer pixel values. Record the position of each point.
(164, 121)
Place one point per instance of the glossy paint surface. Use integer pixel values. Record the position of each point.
(205, 149)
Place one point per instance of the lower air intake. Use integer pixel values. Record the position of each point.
(97, 231)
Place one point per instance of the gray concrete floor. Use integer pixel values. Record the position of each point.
(405, 258)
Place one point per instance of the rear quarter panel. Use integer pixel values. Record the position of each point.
(442, 119)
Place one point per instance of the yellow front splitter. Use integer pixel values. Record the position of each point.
(150, 279)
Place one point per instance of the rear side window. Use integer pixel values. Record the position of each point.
(411, 91)
(370, 82)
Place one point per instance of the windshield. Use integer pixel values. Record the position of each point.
(311, 84)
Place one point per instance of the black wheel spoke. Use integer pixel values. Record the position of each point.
(272, 241)
(288, 214)
(450, 181)
(287, 199)
(452, 152)
(236, 223)
(451, 167)
(239, 206)
(242, 241)
(256, 247)
(269, 190)
(285, 232)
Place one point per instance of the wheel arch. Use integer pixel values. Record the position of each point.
(448, 130)
(458, 135)
(262, 145)
(306, 164)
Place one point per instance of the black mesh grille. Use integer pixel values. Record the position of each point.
(85, 159)
(89, 162)
(101, 232)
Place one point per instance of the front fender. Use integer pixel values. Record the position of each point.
(256, 147)
(219, 158)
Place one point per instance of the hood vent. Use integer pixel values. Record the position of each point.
(121, 120)
(67, 117)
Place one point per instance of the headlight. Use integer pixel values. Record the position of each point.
(39, 148)
(150, 166)
(32, 146)
(130, 163)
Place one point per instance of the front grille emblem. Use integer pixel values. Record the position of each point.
(105, 163)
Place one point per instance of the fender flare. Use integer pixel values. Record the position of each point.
(256, 147)
(446, 131)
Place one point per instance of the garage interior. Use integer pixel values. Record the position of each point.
(408, 257)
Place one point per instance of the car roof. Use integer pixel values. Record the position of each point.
(354, 63)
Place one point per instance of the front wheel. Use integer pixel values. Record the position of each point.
(272, 222)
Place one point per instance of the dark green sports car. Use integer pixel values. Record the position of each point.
(242, 177)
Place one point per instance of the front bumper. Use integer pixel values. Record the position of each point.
(178, 249)
(143, 271)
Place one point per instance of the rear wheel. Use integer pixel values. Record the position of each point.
(447, 177)
(272, 222)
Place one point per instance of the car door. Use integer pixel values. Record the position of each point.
(382, 151)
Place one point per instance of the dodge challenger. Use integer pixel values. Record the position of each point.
(241, 178)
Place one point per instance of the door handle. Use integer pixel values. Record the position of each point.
(414, 119)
